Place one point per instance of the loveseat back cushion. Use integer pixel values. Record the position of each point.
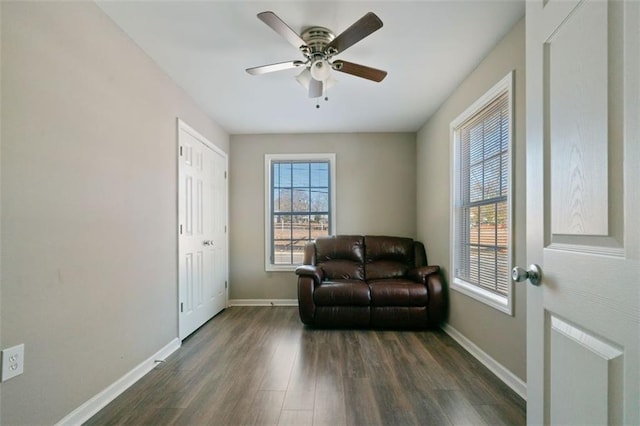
(341, 257)
(388, 257)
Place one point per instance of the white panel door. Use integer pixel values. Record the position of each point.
(583, 210)
(219, 228)
(202, 217)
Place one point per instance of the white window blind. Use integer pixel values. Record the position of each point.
(483, 238)
(481, 249)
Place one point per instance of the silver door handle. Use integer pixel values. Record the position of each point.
(207, 243)
(533, 274)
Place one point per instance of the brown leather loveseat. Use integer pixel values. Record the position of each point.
(369, 281)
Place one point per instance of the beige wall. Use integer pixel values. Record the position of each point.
(501, 336)
(88, 204)
(376, 188)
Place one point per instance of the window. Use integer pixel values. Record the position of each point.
(481, 198)
(300, 205)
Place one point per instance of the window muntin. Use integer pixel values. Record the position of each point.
(300, 205)
(481, 252)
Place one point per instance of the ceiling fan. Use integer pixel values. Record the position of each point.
(319, 45)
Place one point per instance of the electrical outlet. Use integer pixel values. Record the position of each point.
(12, 362)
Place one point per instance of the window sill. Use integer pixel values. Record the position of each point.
(500, 303)
(280, 268)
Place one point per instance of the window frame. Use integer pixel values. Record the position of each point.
(269, 159)
(497, 301)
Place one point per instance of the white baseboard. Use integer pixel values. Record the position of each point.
(99, 401)
(510, 379)
(263, 302)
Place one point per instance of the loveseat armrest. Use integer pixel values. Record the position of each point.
(431, 277)
(309, 277)
(311, 271)
(437, 304)
(421, 273)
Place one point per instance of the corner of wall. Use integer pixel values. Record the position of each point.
(499, 336)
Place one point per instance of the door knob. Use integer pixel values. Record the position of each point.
(207, 243)
(533, 274)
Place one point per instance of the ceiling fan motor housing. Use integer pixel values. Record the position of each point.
(316, 38)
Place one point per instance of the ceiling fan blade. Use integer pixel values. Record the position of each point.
(356, 32)
(359, 70)
(274, 67)
(315, 88)
(279, 26)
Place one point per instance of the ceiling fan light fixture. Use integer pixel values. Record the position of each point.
(304, 78)
(320, 70)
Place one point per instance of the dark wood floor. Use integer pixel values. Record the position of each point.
(261, 366)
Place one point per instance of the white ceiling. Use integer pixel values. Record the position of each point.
(427, 47)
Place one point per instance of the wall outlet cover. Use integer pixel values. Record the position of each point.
(12, 362)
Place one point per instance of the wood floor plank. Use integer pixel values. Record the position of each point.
(352, 354)
(281, 363)
(501, 415)
(296, 418)
(361, 402)
(261, 366)
(329, 403)
(302, 383)
(458, 409)
(431, 365)
(392, 397)
(265, 409)
(413, 375)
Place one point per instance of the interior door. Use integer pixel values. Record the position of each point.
(219, 230)
(583, 162)
(202, 217)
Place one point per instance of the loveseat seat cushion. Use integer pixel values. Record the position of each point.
(397, 292)
(388, 257)
(342, 293)
(341, 258)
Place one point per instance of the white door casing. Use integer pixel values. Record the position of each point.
(202, 237)
(583, 204)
